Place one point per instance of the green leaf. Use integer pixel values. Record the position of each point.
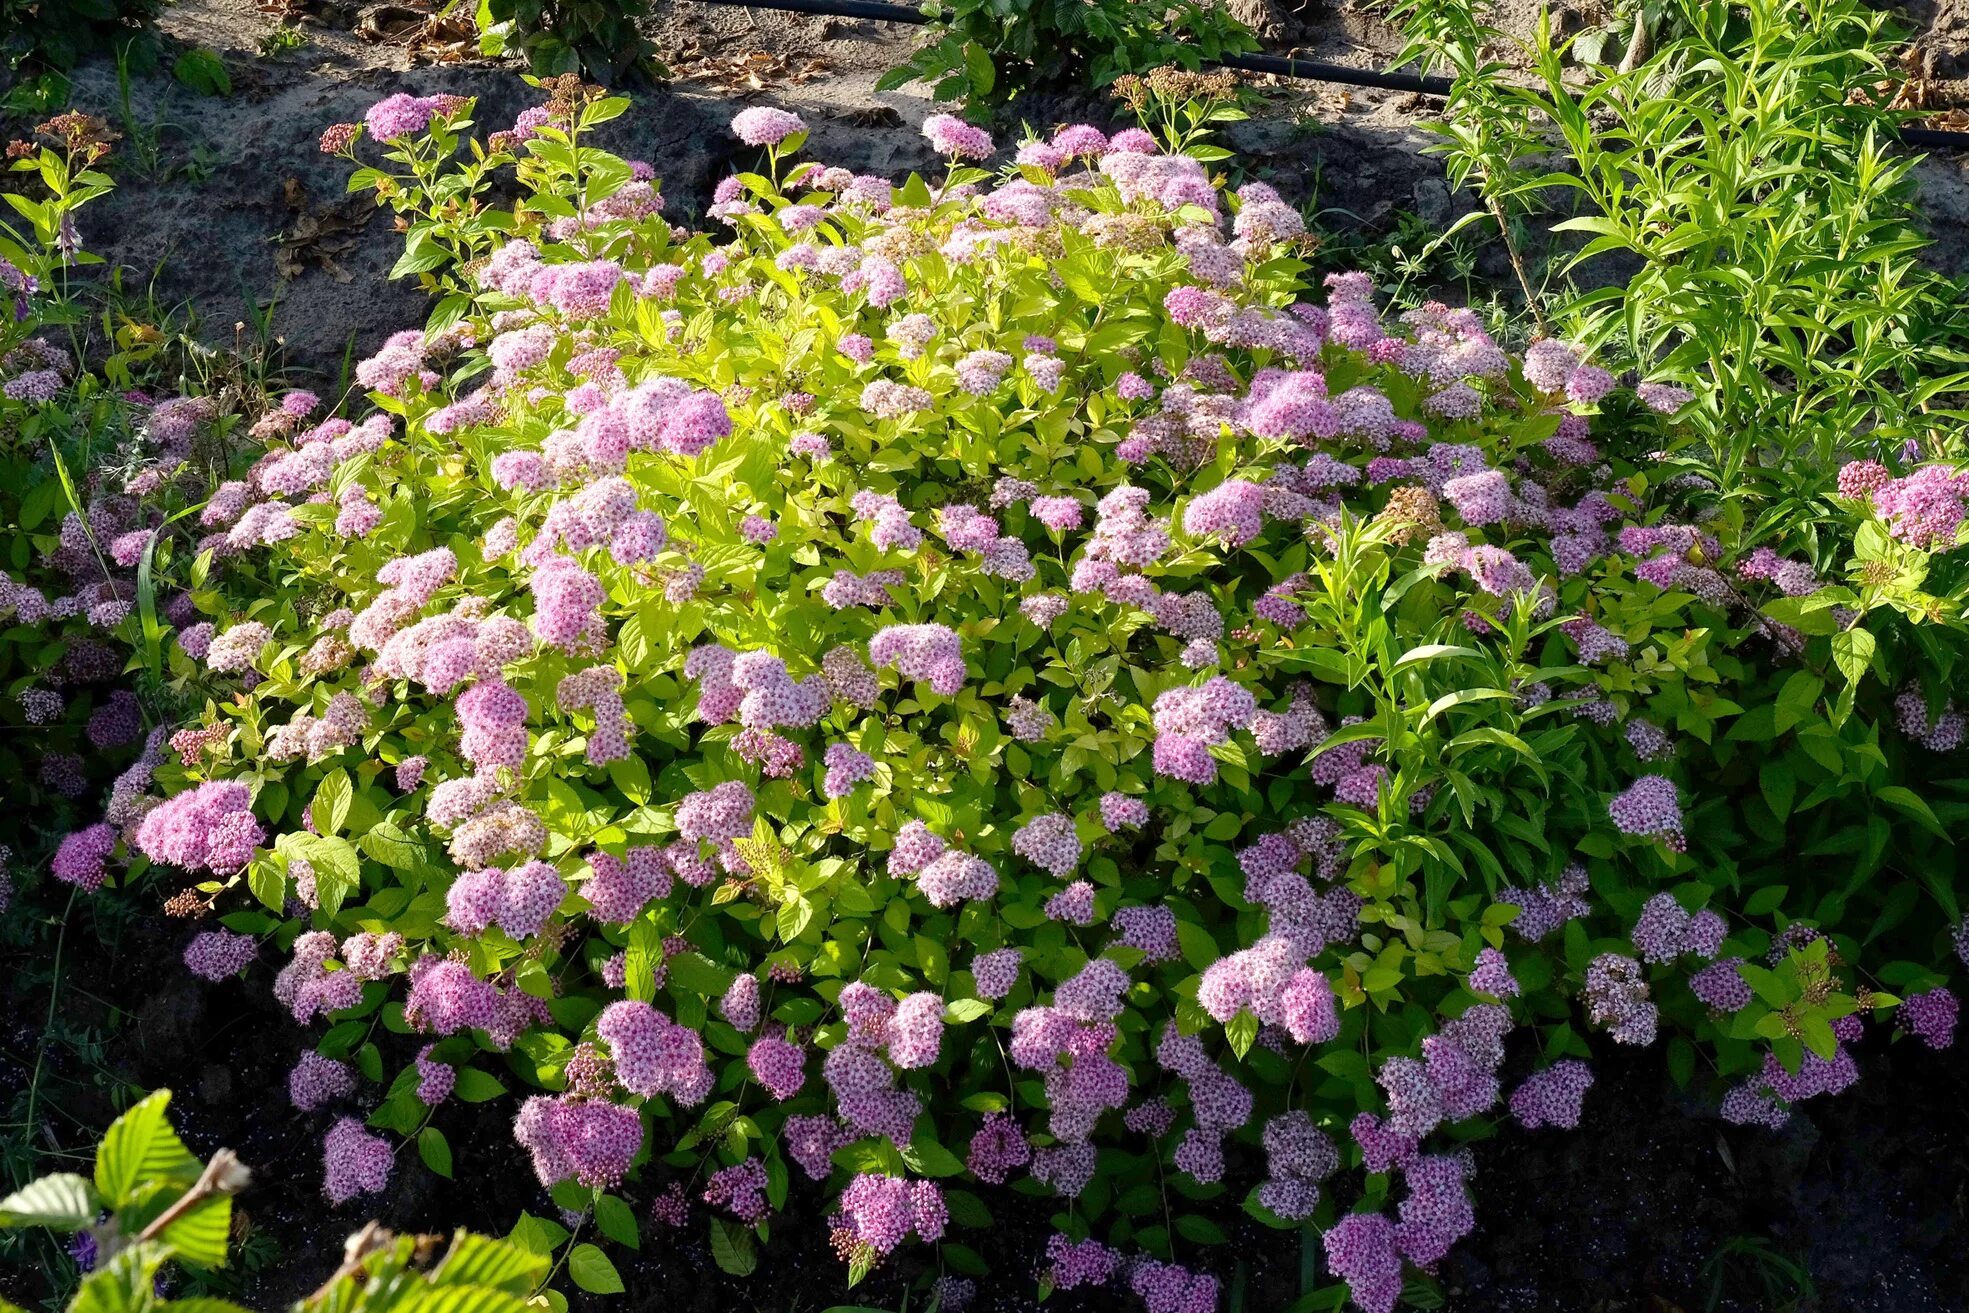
(332, 800)
(337, 868)
(733, 1247)
(1766, 900)
(1681, 1061)
(267, 883)
(617, 1221)
(538, 1235)
(1907, 800)
(1199, 949)
(644, 952)
(433, 1148)
(1780, 785)
(202, 1234)
(476, 1260)
(1818, 1036)
(204, 72)
(966, 1209)
(632, 777)
(1242, 1032)
(592, 1271)
(1852, 652)
(387, 843)
(140, 1147)
(475, 1086)
(795, 915)
(697, 974)
(1200, 1230)
(62, 1202)
(978, 68)
(927, 1155)
(1417, 656)
(124, 1284)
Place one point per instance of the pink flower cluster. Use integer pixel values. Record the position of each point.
(216, 954)
(354, 1161)
(1272, 981)
(316, 1081)
(945, 875)
(210, 828)
(1552, 1097)
(880, 1212)
(928, 652)
(740, 1190)
(592, 1141)
(1190, 721)
(1666, 930)
(518, 901)
(653, 1054)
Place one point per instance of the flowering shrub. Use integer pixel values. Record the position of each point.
(95, 490)
(981, 679)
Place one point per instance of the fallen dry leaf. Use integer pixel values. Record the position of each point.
(317, 236)
(744, 74)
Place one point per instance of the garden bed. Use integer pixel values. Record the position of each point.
(1358, 609)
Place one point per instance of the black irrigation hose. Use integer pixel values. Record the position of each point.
(1308, 70)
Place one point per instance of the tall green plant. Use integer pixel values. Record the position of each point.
(1486, 132)
(1771, 212)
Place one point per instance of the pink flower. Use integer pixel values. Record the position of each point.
(762, 125)
(952, 136)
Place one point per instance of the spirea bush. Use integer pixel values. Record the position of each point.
(993, 680)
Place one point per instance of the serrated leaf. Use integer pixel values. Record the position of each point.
(617, 1221)
(61, 1202)
(733, 1247)
(435, 1150)
(140, 1147)
(387, 843)
(481, 1261)
(592, 1271)
(202, 1234)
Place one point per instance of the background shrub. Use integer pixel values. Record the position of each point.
(38, 33)
(597, 37)
(984, 51)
